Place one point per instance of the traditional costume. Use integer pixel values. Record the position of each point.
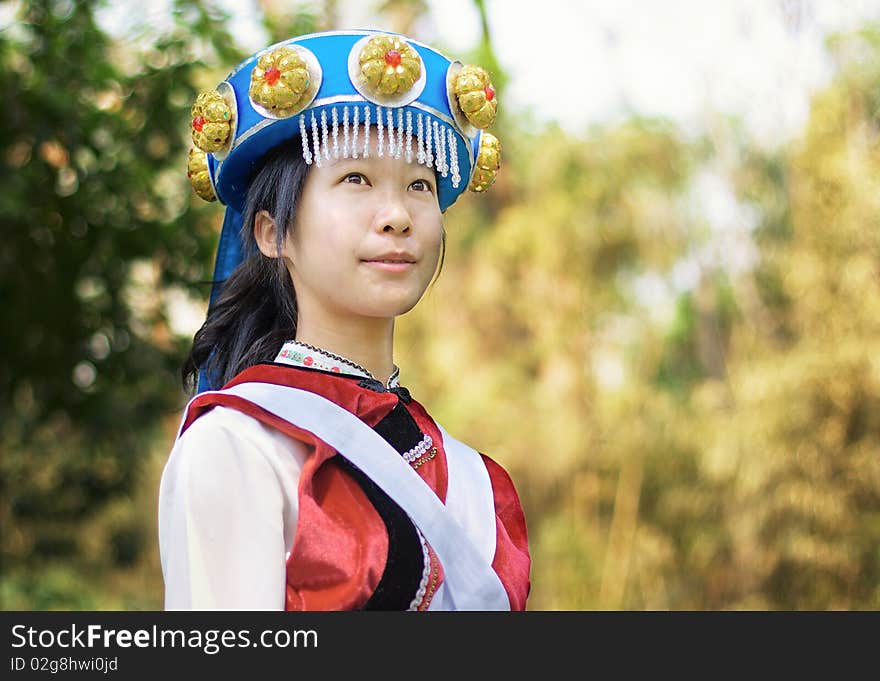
(327, 489)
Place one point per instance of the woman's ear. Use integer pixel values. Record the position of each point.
(265, 232)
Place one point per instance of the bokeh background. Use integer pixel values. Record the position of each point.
(663, 319)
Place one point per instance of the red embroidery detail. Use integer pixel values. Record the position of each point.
(336, 369)
(434, 571)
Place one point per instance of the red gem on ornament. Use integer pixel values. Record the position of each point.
(392, 58)
(308, 361)
(198, 123)
(490, 93)
(272, 75)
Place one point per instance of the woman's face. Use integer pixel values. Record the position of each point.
(366, 239)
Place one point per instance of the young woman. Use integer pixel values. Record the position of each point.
(313, 480)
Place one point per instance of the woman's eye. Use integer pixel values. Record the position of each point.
(421, 186)
(355, 178)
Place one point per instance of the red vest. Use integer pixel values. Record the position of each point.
(341, 546)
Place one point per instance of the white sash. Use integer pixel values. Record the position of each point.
(461, 532)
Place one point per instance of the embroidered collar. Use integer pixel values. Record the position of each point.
(307, 356)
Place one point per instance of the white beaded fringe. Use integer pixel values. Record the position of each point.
(435, 142)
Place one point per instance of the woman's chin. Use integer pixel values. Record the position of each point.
(391, 307)
(393, 301)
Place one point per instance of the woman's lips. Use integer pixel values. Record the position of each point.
(390, 264)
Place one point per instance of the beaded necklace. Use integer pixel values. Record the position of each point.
(302, 354)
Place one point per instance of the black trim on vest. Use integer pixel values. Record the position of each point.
(405, 563)
(399, 429)
(403, 567)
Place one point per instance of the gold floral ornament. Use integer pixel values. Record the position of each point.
(488, 163)
(199, 177)
(280, 82)
(211, 122)
(388, 66)
(476, 96)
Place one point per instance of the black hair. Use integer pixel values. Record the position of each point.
(256, 310)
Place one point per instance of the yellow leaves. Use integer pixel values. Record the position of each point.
(826, 507)
(809, 549)
(19, 153)
(54, 153)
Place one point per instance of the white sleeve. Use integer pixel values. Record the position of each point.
(227, 514)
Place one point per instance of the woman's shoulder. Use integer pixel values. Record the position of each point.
(229, 433)
(222, 423)
(502, 483)
(503, 487)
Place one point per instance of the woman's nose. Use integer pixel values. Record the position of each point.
(396, 227)
(393, 217)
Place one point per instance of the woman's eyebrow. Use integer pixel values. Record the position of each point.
(333, 162)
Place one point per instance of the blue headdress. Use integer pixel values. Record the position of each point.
(336, 90)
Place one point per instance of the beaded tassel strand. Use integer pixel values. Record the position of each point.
(345, 132)
(354, 133)
(325, 138)
(409, 136)
(307, 155)
(453, 157)
(316, 143)
(335, 119)
(366, 132)
(380, 132)
(429, 156)
(420, 139)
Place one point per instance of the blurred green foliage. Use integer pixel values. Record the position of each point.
(723, 455)
(97, 231)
